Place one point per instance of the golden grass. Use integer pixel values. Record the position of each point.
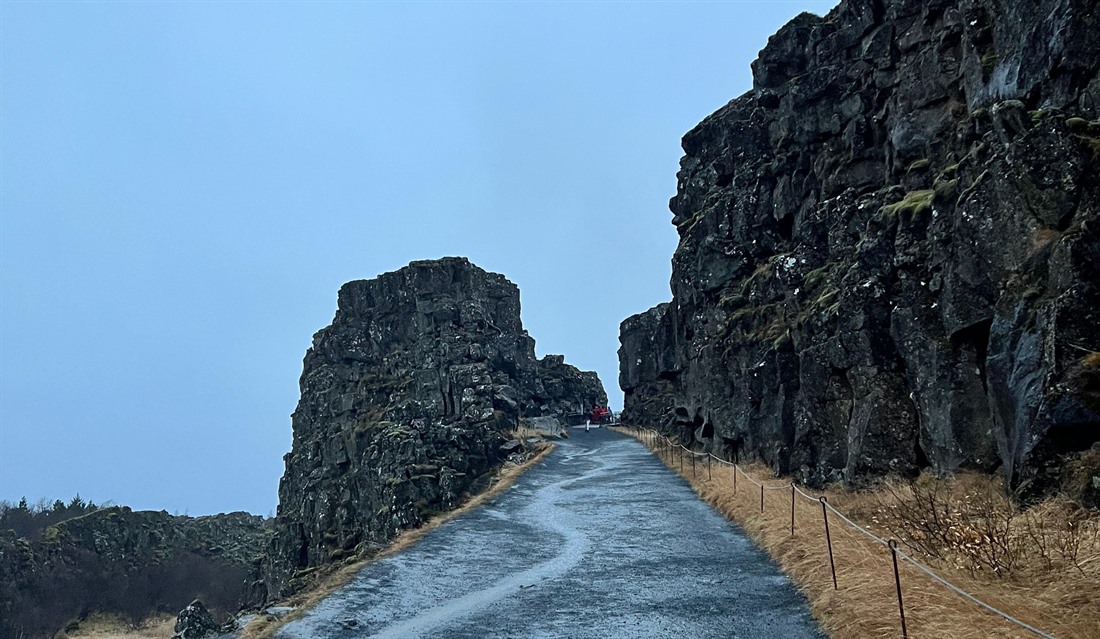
(103, 626)
(330, 578)
(1064, 602)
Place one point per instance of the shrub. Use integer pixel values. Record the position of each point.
(969, 522)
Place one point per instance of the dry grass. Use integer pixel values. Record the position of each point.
(523, 431)
(101, 626)
(331, 578)
(1053, 593)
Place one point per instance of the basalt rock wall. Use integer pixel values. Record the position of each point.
(407, 401)
(566, 390)
(889, 252)
(649, 367)
(131, 563)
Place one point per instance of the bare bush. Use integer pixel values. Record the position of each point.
(970, 523)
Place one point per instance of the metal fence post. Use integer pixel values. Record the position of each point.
(735, 479)
(792, 509)
(828, 539)
(708, 466)
(761, 498)
(897, 582)
(693, 465)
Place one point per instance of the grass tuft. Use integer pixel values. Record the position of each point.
(911, 207)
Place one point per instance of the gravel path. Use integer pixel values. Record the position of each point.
(598, 541)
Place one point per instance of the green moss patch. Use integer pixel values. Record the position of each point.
(914, 204)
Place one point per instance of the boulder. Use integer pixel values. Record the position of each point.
(548, 426)
(195, 622)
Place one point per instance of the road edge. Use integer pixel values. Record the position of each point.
(331, 578)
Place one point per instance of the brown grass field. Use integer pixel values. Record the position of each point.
(100, 626)
(1041, 565)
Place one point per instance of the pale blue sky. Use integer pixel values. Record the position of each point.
(185, 185)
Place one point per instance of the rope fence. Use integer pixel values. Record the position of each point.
(656, 440)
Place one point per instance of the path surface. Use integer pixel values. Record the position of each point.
(598, 541)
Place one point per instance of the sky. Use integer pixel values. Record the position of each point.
(184, 186)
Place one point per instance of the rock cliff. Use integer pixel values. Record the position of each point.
(888, 255)
(134, 563)
(407, 401)
(566, 390)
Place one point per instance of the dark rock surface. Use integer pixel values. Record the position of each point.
(133, 563)
(889, 253)
(565, 389)
(195, 622)
(408, 398)
(649, 366)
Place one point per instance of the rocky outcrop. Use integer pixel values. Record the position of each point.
(565, 389)
(133, 563)
(195, 622)
(407, 401)
(649, 367)
(889, 252)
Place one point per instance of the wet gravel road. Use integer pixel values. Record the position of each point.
(600, 540)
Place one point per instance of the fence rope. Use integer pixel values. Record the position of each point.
(1004, 615)
(722, 461)
(879, 540)
(808, 498)
(853, 524)
(746, 476)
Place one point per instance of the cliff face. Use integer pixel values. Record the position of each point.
(407, 399)
(649, 366)
(134, 563)
(565, 390)
(889, 251)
